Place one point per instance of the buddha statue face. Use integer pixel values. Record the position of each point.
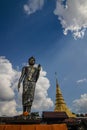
(31, 61)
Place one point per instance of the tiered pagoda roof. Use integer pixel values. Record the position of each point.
(60, 105)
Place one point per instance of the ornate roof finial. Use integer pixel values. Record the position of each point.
(56, 78)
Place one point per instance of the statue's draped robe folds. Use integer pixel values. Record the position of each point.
(29, 76)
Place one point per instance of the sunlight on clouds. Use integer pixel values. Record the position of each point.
(73, 16)
(33, 5)
(80, 105)
(9, 96)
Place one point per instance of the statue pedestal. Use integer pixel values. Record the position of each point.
(21, 119)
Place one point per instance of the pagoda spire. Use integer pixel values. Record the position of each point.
(60, 105)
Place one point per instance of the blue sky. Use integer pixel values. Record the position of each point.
(56, 36)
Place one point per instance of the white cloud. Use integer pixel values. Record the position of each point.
(73, 16)
(8, 108)
(6, 76)
(42, 101)
(33, 5)
(10, 98)
(81, 81)
(80, 105)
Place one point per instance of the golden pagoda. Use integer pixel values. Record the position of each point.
(60, 105)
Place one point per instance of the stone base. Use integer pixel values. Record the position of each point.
(33, 118)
